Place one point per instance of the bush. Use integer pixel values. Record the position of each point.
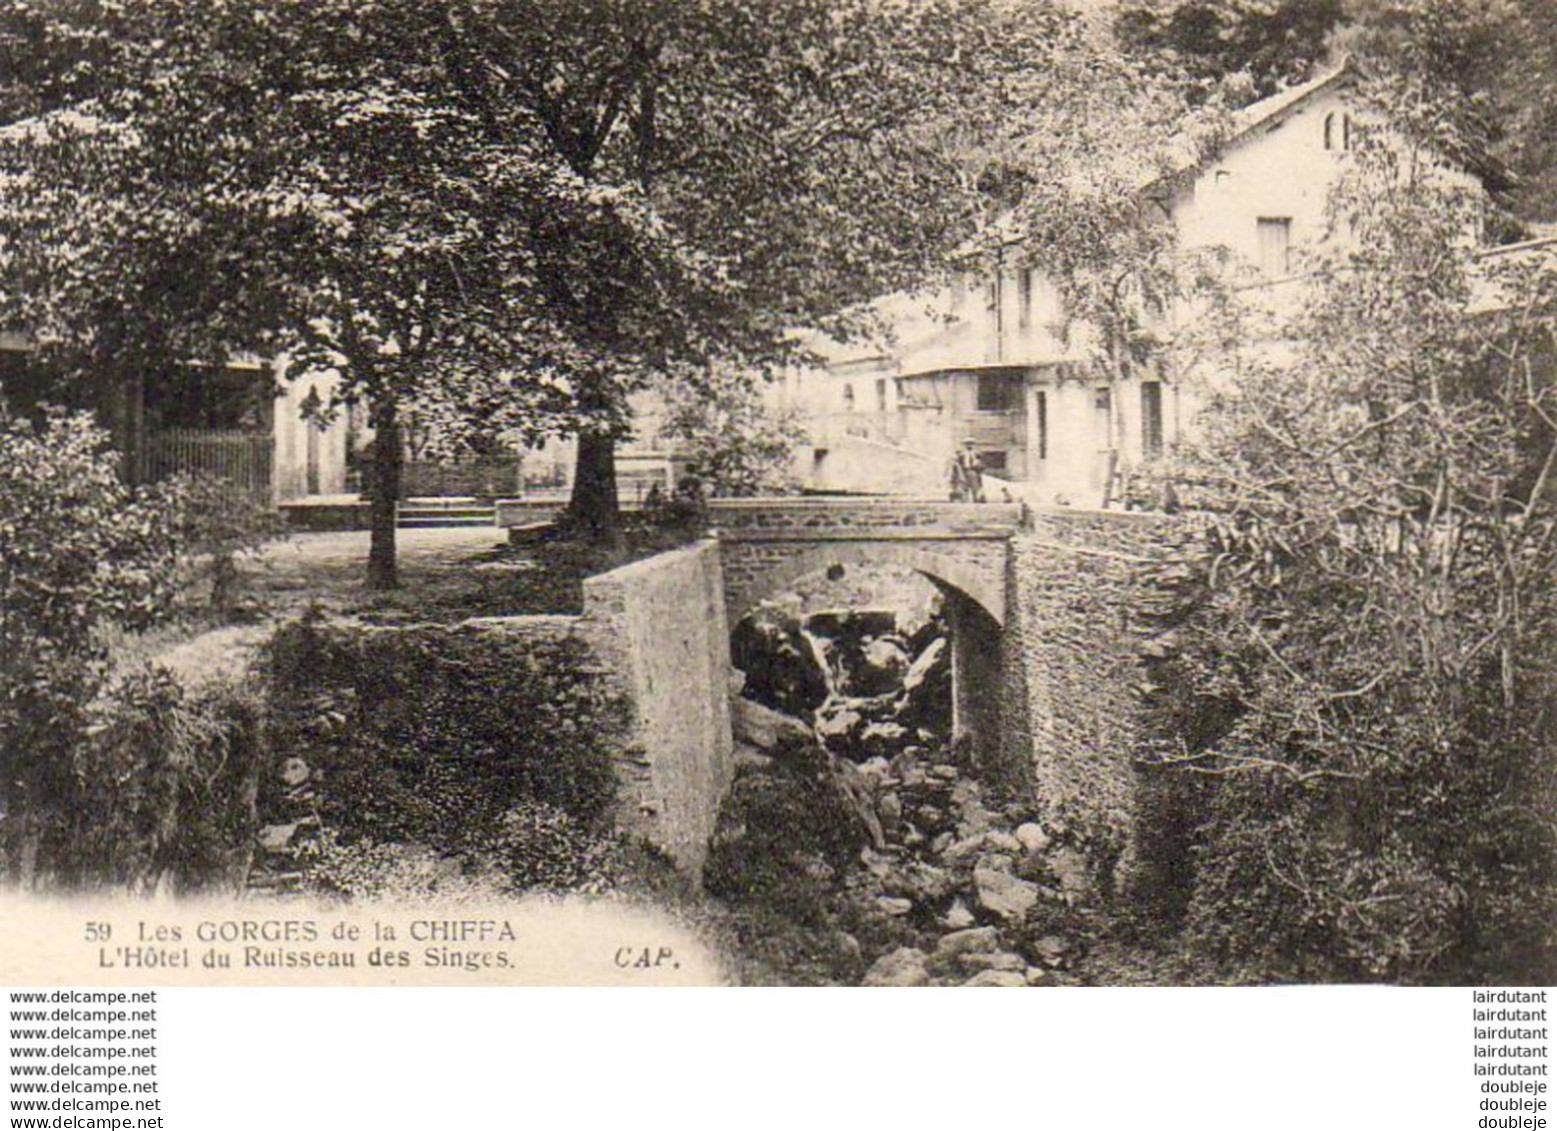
(216, 526)
(1354, 816)
(157, 791)
(738, 447)
(79, 552)
(78, 548)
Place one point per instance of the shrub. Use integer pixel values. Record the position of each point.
(79, 551)
(78, 548)
(158, 788)
(737, 445)
(216, 526)
(1358, 816)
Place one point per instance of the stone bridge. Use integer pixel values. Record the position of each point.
(767, 544)
(1050, 615)
(964, 549)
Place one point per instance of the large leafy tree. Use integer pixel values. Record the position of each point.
(522, 209)
(1270, 42)
(796, 159)
(298, 179)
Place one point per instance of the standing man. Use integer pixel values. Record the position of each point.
(967, 477)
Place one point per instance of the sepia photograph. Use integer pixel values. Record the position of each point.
(893, 493)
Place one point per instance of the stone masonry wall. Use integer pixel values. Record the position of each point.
(1081, 604)
(659, 624)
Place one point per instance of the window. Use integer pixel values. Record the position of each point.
(997, 392)
(881, 394)
(991, 460)
(848, 398)
(1338, 131)
(1040, 443)
(1103, 417)
(1151, 419)
(1024, 299)
(1274, 237)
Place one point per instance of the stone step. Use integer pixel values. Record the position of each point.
(429, 522)
(419, 514)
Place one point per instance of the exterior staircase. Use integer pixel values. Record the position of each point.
(445, 511)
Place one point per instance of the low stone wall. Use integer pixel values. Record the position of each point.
(659, 625)
(328, 514)
(514, 513)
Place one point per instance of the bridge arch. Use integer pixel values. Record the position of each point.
(980, 584)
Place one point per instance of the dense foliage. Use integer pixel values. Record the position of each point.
(1369, 682)
(738, 445)
(438, 749)
(79, 551)
(161, 789)
(127, 782)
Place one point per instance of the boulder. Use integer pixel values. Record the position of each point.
(957, 917)
(879, 667)
(1032, 837)
(1003, 894)
(294, 772)
(920, 882)
(931, 819)
(997, 862)
(879, 770)
(276, 838)
(845, 636)
(904, 966)
(972, 817)
(892, 906)
(974, 939)
(999, 840)
(1070, 869)
(964, 851)
(927, 684)
(924, 665)
(838, 726)
(1000, 960)
(882, 740)
(764, 728)
(854, 789)
(750, 760)
(997, 978)
(1051, 950)
(847, 946)
(780, 662)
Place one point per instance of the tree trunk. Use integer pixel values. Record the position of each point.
(384, 495)
(594, 509)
